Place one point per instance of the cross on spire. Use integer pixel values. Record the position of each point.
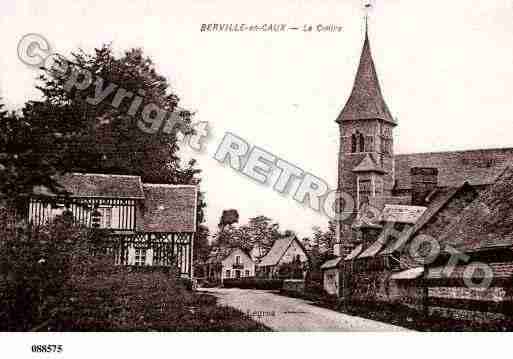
(367, 7)
(366, 100)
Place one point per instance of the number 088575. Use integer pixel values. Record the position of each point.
(46, 348)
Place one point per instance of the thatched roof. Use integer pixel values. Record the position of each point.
(487, 222)
(438, 200)
(278, 249)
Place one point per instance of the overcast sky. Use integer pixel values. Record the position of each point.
(446, 70)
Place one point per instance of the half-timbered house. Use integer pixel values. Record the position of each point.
(147, 224)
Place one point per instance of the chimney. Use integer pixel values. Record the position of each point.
(423, 181)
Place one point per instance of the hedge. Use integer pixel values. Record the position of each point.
(253, 283)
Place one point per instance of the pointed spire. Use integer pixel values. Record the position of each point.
(366, 100)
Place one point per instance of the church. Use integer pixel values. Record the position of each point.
(461, 199)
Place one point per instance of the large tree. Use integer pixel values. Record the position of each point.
(102, 137)
(260, 231)
(21, 165)
(324, 240)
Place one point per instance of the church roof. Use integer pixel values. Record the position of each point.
(477, 167)
(368, 165)
(366, 100)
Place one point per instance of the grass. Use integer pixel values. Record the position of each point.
(142, 302)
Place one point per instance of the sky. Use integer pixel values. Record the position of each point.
(446, 71)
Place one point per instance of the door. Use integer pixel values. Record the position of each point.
(237, 274)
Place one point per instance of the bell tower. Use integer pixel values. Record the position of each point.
(366, 155)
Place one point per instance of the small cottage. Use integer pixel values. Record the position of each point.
(229, 263)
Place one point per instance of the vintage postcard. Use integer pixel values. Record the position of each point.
(294, 166)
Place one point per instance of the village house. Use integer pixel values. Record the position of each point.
(287, 251)
(458, 198)
(148, 224)
(229, 263)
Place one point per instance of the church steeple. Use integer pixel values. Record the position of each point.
(366, 100)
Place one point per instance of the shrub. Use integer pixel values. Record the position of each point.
(38, 268)
(253, 283)
(293, 270)
(314, 287)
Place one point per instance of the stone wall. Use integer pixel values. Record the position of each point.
(369, 286)
(294, 285)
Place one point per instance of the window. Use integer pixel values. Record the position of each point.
(361, 142)
(353, 143)
(140, 256)
(106, 217)
(227, 273)
(246, 273)
(365, 187)
(237, 260)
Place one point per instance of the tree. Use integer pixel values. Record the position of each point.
(101, 137)
(23, 167)
(228, 217)
(320, 249)
(73, 133)
(201, 246)
(324, 240)
(259, 231)
(263, 231)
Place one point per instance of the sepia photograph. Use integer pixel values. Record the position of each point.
(231, 166)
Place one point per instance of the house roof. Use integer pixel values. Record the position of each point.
(356, 250)
(487, 222)
(477, 167)
(366, 100)
(332, 263)
(98, 185)
(277, 251)
(437, 201)
(169, 208)
(411, 273)
(375, 247)
(368, 164)
(379, 202)
(219, 254)
(401, 213)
